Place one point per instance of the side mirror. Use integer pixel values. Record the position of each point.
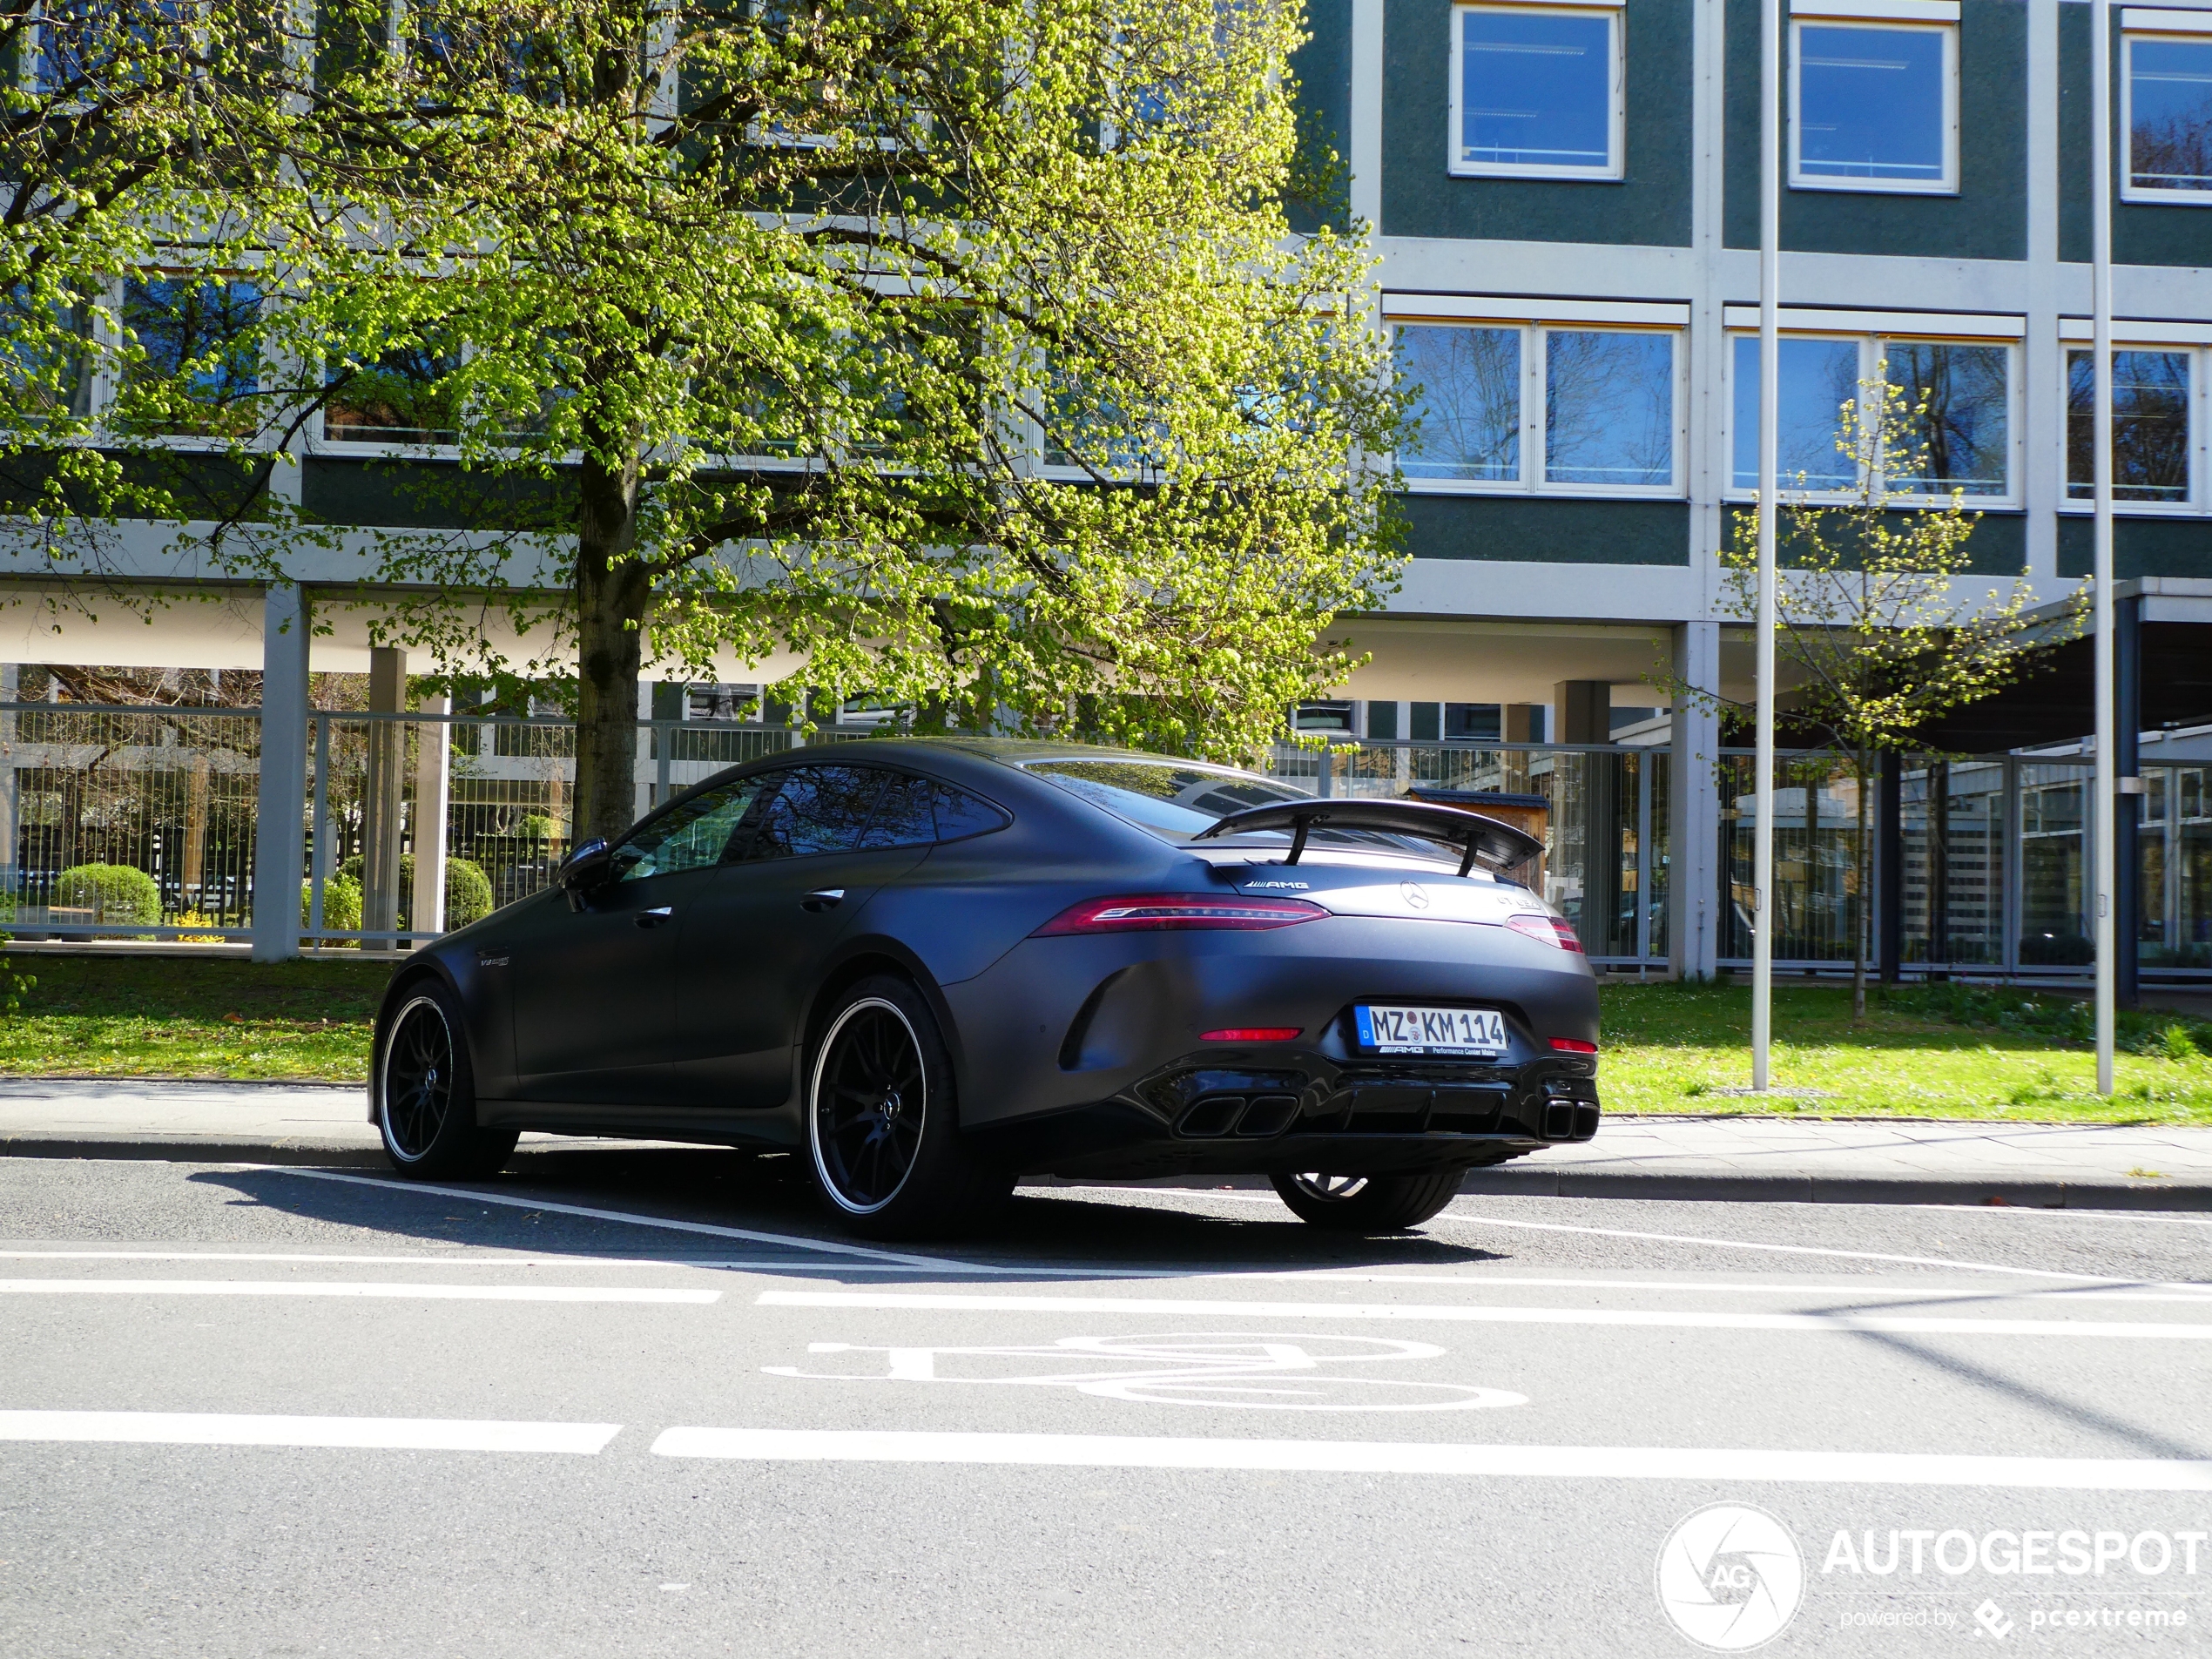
(584, 869)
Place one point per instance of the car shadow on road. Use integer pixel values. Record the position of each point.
(1149, 1228)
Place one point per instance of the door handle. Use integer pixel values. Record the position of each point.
(654, 917)
(823, 899)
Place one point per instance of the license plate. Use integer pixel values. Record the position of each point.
(1391, 1029)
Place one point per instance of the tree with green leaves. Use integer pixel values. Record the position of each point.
(1875, 642)
(958, 350)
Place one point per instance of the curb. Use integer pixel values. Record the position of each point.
(1658, 1187)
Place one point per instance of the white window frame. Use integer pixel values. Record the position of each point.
(1872, 350)
(2195, 343)
(1615, 166)
(107, 382)
(1886, 20)
(2195, 27)
(1535, 338)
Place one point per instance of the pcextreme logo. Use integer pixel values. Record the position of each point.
(1731, 1577)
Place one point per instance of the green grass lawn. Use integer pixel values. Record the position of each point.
(176, 1017)
(1936, 1051)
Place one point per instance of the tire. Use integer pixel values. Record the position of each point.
(1374, 1203)
(883, 1122)
(425, 1092)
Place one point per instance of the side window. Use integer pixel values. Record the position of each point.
(959, 814)
(818, 809)
(903, 817)
(689, 836)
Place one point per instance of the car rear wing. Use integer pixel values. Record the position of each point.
(1497, 847)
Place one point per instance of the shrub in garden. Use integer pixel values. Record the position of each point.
(468, 890)
(341, 903)
(110, 891)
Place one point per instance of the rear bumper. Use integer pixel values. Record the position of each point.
(1208, 1115)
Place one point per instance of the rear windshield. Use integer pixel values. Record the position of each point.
(1176, 801)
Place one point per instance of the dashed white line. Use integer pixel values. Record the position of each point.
(225, 1428)
(1553, 1462)
(1469, 1313)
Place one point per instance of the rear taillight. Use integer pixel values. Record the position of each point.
(1141, 913)
(1573, 1045)
(1253, 1034)
(1550, 930)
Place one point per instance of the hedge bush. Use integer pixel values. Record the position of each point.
(468, 890)
(111, 892)
(341, 903)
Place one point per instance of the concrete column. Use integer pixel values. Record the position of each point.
(381, 799)
(1694, 809)
(280, 831)
(1585, 711)
(433, 791)
(10, 822)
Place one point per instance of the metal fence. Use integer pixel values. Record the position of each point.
(141, 823)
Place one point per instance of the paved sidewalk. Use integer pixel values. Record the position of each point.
(1719, 1156)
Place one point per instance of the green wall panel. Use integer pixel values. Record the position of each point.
(1547, 531)
(1996, 546)
(1650, 205)
(2181, 547)
(1323, 67)
(426, 494)
(1987, 219)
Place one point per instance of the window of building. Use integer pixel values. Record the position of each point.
(2166, 114)
(1958, 396)
(2153, 396)
(1874, 105)
(405, 396)
(195, 360)
(1537, 91)
(1545, 406)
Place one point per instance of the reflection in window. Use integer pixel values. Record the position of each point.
(1958, 412)
(818, 809)
(690, 836)
(2150, 426)
(1537, 92)
(1871, 106)
(1608, 408)
(1817, 378)
(199, 362)
(403, 397)
(45, 359)
(2169, 114)
(1469, 404)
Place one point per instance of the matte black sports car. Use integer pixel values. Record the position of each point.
(937, 965)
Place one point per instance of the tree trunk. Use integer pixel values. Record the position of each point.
(1862, 927)
(612, 590)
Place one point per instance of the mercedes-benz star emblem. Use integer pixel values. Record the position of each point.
(1414, 894)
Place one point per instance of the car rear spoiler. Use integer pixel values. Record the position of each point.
(1498, 846)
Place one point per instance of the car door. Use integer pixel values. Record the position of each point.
(798, 878)
(596, 977)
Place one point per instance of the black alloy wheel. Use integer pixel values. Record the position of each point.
(882, 1122)
(1370, 1204)
(418, 1079)
(426, 1091)
(870, 1101)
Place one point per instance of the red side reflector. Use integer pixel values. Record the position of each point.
(1164, 912)
(1550, 930)
(1574, 1045)
(1253, 1034)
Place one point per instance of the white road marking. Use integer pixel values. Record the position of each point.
(1884, 1290)
(794, 1241)
(1181, 1307)
(346, 1287)
(224, 1428)
(1463, 1219)
(1571, 1462)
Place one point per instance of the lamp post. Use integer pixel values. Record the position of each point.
(1770, 505)
(2107, 827)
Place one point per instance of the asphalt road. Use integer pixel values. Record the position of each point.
(646, 1404)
